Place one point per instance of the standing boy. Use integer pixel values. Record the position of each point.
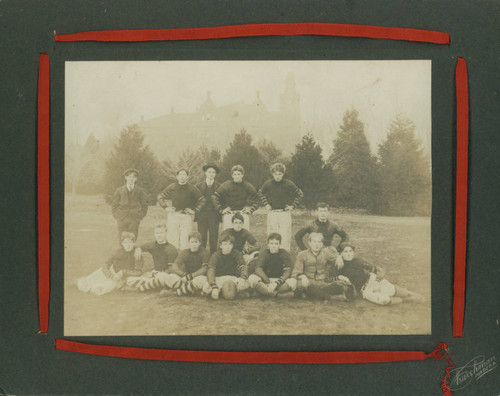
(333, 235)
(280, 196)
(129, 204)
(164, 255)
(182, 201)
(208, 217)
(227, 271)
(236, 195)
(313, 269)
(273, 270)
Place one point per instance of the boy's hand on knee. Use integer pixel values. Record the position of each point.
(303, 279)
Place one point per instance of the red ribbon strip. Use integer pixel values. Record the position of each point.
(462, 94)
(246, 357)
(43, 192)
(264, 29)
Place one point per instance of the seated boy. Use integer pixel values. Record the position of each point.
(227, 271)
(273, 270)
(312, 271)
(244, 241)
(191, 266)
(114, 273)
(333, 235)
(164, 255)
(369, 280)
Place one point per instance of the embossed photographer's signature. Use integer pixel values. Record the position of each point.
(472, 371)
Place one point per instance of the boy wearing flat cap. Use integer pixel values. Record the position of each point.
(129, 204)
(208, 218)
(182, 201)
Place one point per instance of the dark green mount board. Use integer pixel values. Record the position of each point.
(29, 362)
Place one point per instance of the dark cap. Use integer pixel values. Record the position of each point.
(210, 165)
(131, 170)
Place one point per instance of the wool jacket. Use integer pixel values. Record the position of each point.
(163, 254)
(236, 196)
(182, 197)
(133, 203)
(191, 262)
(240, 239)
(358, 271)
(207, 193)
(277, 265)
(231, 264)
(280, 194)
(315, 266)
(327, 228)
(121, 260)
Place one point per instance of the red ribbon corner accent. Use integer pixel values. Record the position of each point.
(43, 192)
(462, 98)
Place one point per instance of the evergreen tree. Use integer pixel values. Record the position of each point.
(242, 152)
(193, 162)
(308, 170)
(270, 152)
(130, 152)
(353, 165)
(404, 172)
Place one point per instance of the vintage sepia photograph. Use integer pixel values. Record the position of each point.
(247, 198)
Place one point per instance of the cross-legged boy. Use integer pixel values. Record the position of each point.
(115, 272)
(227, 271)
(244, 241)
(191, 266)
(182, 201)
(208, 218)
(273, 270)
(280, 196)
(164, 255)
(236, 196)
(129, 205)
(313, 268)
(333, 235)
(369, 280)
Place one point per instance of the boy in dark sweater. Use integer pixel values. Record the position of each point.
(191, 266)
(244, 241)
(236, 196)
(280, 196)
(369, 280)
(182, 201)
(227, 271)
(164, 255)
(117, 269)
(333, 235)
(273, 270)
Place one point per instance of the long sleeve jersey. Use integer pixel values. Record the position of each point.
(191, 262)
(280, 194)
(182, 197)
(236, 196)
(277, 265)
(241, 238)
(327, 228)
(231, 264)
(163, 254)
(358, 271)
(121, 260)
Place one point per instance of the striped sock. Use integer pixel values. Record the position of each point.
(150, 284)
(136, 283)
(186, 288)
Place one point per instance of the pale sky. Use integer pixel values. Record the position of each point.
(103, 97)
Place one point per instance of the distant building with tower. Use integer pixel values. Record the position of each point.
(213, 125)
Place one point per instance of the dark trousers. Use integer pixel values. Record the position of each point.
(208, 223)
(322, 291)
(128, 224)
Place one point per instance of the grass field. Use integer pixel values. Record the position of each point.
(400, 245)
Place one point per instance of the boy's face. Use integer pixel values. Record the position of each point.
(316, 243)
(210, 173)
(347, 253)
(194, 244)
(323, 214)
(274, 246)
(131, 178)
(278, 176)
(237, 224)
(161, 235)
(128, 244)
(226, 247)
(237, 176)
(182, 177)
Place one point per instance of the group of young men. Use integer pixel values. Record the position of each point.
(325, 269)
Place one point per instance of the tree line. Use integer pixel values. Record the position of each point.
(395, 181)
